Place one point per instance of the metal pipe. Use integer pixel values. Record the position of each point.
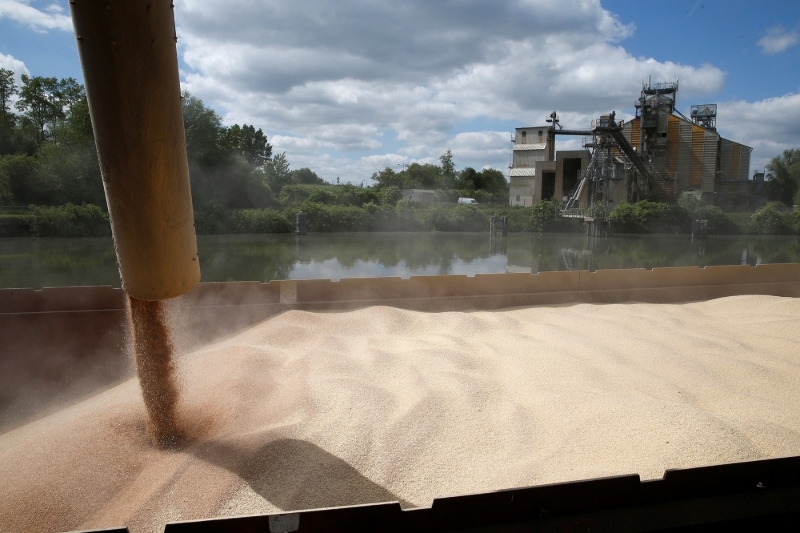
(130, 69)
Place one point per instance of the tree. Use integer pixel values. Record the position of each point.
(785, 182)
(421, 176)
(203, 129)
(278, 173)
(249, 143)
(489, 180)
(8, 88)
(387, 177)
(306, 176)
(493, 180)
(468, 179)
(47, 102)
(447, 170)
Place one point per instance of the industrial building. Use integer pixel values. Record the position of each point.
(419, 196)
(660, 154)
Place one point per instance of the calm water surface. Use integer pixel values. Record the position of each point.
(37, 263)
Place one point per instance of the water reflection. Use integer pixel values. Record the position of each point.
(62, 262)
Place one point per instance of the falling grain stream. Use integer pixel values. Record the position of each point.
(155, 367)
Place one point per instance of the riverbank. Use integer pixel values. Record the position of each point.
(58, 262)
(644, 217)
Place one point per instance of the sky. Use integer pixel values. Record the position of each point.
(349, 87)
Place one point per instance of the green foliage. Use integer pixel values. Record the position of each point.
(212, 219)
(277, 173)
(785, 182)
(306, 176)
(719, 222)
(336, 217)
(68, 174)
(418, 176)
(768, 221)
(225, 164)
(17, 173)
(260, 221)
(650, 217)
(447, 170)
(489, 180)
(294, 195)
(388, 178)
(545, 215)
(249, 143)
(46, 103)
(69, 220)
(8, 88)
(204, 132)
(657, 217)
(468, 183)
(390, 195)
(451, 196)
(625, 220)
(456, 218)
(405, 216)
(234, 185)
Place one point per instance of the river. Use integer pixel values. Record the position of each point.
(37, 263)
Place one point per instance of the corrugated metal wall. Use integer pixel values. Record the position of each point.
(744, 163)
(683, 174)
(734, 160)
(673, 147)
(696, 164)
(691, 155)
(725, 149)
(528, 158)
(733, 168)
(710, 145)
(663, 123)
(631, 132)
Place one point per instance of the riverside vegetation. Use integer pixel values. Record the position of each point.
(50, 184)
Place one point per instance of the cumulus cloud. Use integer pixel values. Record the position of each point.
(770, 126)
(52, 17)
(13, 64)
(777, 40)
(334, 79)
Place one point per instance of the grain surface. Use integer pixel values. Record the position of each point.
(323, 409)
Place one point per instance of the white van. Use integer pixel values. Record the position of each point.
(470, 201)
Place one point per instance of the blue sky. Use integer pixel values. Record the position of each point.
(370, 85)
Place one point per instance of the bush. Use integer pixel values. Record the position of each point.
(451, 196)
(768, 221)
(401, 217)
(625, 219)
(296, 195)
(518, 217)
(794, 221)
(719, 222)
(326, 218)
(454, 218)
(212, 219)
(390, 195)
(260, 221)
(650, 217)
(85, 220)
(545, 215)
